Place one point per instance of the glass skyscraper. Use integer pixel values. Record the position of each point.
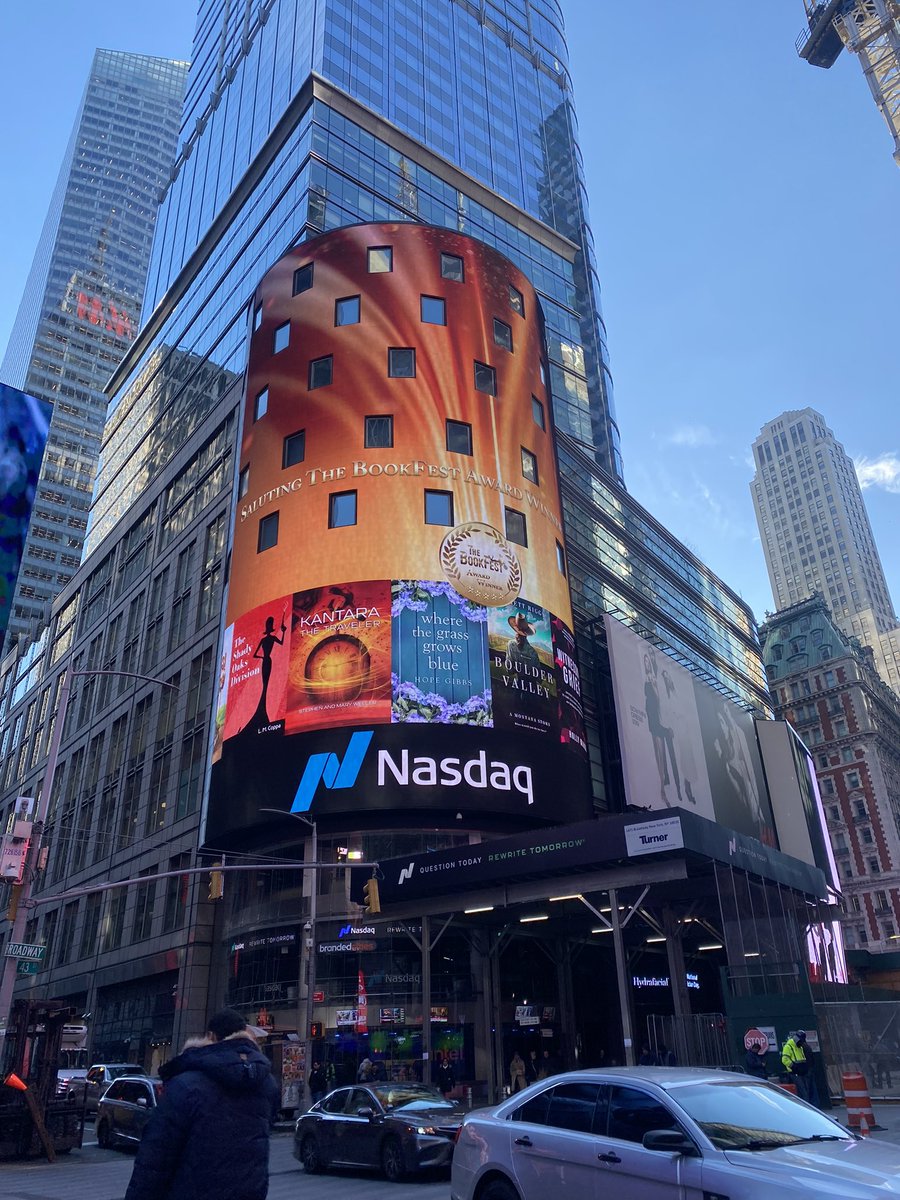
(82, 302)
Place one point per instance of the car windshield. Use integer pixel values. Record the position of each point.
(410, 1097)
(753, 1116)
(125, 1069)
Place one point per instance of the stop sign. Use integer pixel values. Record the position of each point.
(755, 1037)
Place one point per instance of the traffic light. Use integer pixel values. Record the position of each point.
(216, 883)
(15, 894)
(372, 900)
(316, 1030)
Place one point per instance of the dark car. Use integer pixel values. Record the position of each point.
(397, 1127)
(125, 1108)
(93, 1086)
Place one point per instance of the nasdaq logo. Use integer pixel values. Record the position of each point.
(332, 771)
(406, 873)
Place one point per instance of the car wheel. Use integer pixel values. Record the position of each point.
(309, 1155)
(392, 1160)
(104, 1135)
(499, 1189)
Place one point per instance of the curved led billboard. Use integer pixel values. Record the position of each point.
(398, 624)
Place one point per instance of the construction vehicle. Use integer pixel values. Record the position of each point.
(870, 29)
(34, 1120)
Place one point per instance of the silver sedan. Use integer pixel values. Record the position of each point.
(664, 1133)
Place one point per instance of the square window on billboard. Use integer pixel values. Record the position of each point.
(268, 533)
(529, 466)
(485, 379)
(341, 509)
(380, 260)
(515, 527)
(294, 449)
(459, 437)
(433, 310)
(438, 508)
(243, 483)
(516, 301)
(401, 363)
(261, 404)
(320, 372)
(502, 335)
(281, 338)
(303, 279)
(537, 413)
(379, 433)
(346, 311)
(560, 559)
(453, 267)
(257, 317)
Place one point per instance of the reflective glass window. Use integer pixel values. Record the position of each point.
(434, 310)
(257, 317)
(502, 334)
(485, 379)
(379, 432)
(281, 338)
(243, 483)
(320, 372)
(529, 466)
(268, 532)
(294, 449)
(516, 301)
(261, 404)
(453, 267)
(380, 259)
(515, 527)
(438, 508)
(573, 1106)
(537, 412)
(632, 1113)
(459, 437)
(346, 311)
(303, 279)
(341, 509)
(401, 363)
(560, 559)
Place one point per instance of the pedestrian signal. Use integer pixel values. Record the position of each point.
(316, 1030)
(372, 900)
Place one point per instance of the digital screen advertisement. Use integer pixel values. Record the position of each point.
(683, 745)
(398, 632)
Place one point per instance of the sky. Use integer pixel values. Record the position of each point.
(744, 209)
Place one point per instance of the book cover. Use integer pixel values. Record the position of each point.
(523, 676)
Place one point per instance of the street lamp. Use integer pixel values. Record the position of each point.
(8, 968)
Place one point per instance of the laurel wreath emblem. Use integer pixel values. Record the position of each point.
(492, 594)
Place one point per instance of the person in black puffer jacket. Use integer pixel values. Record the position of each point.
(209, 1137)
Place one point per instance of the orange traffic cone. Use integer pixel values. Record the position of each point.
(863, 1126)
(14, 1081)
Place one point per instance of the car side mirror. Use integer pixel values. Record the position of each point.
(368, 1113)
(142, 1101)
(671, 1140)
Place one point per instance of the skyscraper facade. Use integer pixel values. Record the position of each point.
(815, 531)
(299, 119)
(82, 302)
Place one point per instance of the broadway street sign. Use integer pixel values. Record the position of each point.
(20, 950)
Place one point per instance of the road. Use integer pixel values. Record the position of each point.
(104, 1174)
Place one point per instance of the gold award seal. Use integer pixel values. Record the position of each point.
(480, 563)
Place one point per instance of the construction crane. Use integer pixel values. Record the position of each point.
(869, 29)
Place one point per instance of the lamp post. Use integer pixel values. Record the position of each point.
(8, 968)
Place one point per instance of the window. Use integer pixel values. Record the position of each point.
(243, 483)
(434, 310)
(341, 509)
(853, 779)
(281, 338)
(257, 317)
(632, 1113)
(502, 334)
(485, 379)
(303, 279)
(261, 404)
(176, 893)
(516, 301)
(453, 267)
(438, 508)
(560, 559)
(143, 908)
(574, 1106)
(515, 527)
(401, 363)
(874, 866)
(320, 372)
(380, 259)
(459, 437)
(268, 533)
(537, 412)
(346, 311)
(529, 466)
(379, 433)
(293, 450)
(847, 754)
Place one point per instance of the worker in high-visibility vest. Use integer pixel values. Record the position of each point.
(796, 1063)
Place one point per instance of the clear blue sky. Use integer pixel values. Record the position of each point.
(745, 213)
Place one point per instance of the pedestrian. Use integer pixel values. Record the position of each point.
(755, 1061)
(208, 1139)
(318, 1083)
(532, 1067)
(366, 1071)
(549, 1065)
(516, 1072)
(444, 1076)
(649, 1057)
(666, 1057)
(796, 1064)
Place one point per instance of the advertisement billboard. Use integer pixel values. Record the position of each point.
(24, 424)
(398, 632)
(683, 744)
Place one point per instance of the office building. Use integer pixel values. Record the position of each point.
(434, 145)
(816, 535)
(83, 298)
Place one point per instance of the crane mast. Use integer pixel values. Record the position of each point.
(870, 29)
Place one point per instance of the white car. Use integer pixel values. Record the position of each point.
(655, 1133)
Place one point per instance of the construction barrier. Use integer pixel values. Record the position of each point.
(789, 1087)
(856, 1097)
